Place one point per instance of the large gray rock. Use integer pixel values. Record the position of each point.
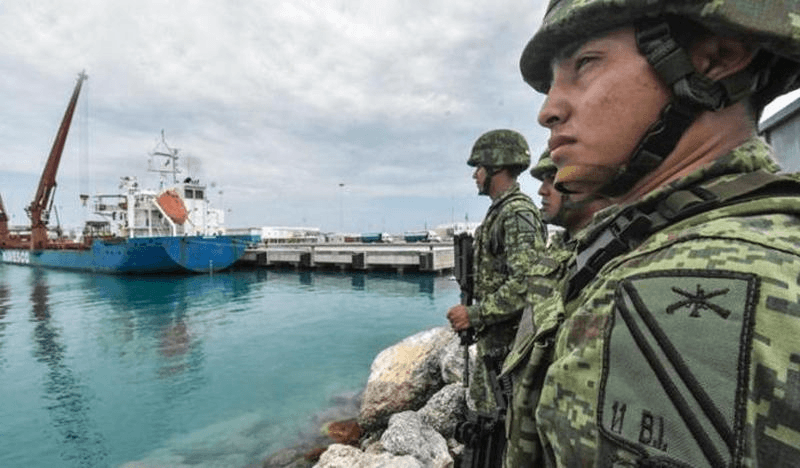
(445, 409)
(408, 435)
(345, 456)
(340, 456)
(451, 360)
(403, 377)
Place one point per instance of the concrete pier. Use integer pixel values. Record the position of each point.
(436, 257)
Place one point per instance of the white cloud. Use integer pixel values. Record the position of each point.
(280, 101)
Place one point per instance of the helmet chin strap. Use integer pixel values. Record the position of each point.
(487, 181)
(560, 216)
(657, 143)
(692, 93)
(570, 206)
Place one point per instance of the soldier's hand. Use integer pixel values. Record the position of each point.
(457, 315)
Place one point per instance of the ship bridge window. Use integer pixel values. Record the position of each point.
(198, 194)
(189, 193)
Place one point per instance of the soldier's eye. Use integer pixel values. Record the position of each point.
(583, 60)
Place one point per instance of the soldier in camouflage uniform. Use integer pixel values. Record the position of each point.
(509, 238)
(545, 172)
(672, 340)
(572, 212)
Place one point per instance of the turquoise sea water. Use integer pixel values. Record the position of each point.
(198, 371)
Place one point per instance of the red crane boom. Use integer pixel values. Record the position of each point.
(39, 208)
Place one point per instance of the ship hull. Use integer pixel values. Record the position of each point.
(145, 255)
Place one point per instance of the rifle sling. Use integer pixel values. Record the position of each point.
(634, 224)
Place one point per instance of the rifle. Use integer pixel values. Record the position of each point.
(484, 434)
(463, 271)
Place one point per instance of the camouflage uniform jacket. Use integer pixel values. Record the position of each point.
(531, 347)
(544, 282)
(683, 351)
(511, 236)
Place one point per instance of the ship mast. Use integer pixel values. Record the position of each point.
(167, 166)
(39, 209)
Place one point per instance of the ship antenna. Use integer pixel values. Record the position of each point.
(170, 161)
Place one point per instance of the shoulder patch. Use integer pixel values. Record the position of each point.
(675, 368)
(528, 221)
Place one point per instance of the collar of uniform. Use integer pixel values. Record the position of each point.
(514, 188)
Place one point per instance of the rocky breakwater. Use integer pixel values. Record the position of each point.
(413, 400)
(409, 410)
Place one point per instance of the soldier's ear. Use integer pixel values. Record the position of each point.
(719, 57)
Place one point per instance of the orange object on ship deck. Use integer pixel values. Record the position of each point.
(171, 202)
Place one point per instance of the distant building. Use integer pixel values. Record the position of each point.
(447, 231)
(244, 231)
(342, 237)
(290, 235)
(782, 131)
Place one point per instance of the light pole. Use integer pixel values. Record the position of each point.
(341, 209)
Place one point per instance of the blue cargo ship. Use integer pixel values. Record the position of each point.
(191, 254)
(172, 229)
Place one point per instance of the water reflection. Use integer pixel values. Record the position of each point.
(175, 339)
(306, 278)
(169, 317)
(157, 317)
(105, 369)
(359, 282)
(155, 295)
(68, 406)
(388, 283)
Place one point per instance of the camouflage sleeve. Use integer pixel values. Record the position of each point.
(524, 240)
(702, 343)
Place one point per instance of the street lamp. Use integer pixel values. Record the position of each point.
(341, 209)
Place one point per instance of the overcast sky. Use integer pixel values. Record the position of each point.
(339, 114)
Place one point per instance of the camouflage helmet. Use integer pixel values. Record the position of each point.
(498, 148)
(544, 166)
(773, 25)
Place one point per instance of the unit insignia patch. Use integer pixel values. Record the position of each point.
(675, 367)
